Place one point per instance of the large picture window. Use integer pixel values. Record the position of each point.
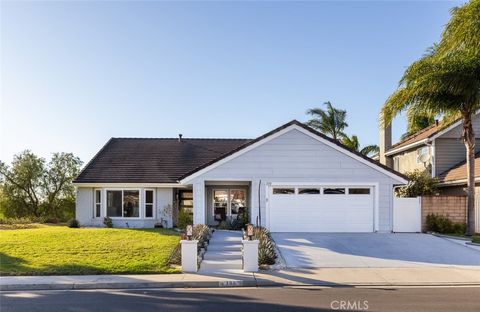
(123, 203)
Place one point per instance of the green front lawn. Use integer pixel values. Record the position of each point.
(61, 250)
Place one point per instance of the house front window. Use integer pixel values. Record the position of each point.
(98, 203)
(148, 203)
(186, 201)
(123, 204)
(228, 203)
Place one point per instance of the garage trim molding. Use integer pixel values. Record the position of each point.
(375, 186)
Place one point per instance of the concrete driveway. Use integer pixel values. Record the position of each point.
(358, 250)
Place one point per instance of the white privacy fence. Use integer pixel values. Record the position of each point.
(407, 214)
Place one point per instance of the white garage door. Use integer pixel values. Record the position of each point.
(321, 208)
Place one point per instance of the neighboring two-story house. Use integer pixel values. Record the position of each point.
(438, 149)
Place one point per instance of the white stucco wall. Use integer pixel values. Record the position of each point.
(297, 157)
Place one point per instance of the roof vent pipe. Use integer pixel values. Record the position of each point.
(179, 137)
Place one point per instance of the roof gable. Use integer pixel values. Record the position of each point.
(430, 133)
(294, 124)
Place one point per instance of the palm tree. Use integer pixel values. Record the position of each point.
(354, 144)
(416, 123)
(446, 82)
(330, 122)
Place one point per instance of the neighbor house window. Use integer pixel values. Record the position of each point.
(123, 203)
(396, 163)
(359, 191)
(308, 191)
(283, 191)
(420, 152)
(98, 203)
(148, 204)
(330, 190)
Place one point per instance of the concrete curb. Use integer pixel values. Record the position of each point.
(79, 286)
(216, 284)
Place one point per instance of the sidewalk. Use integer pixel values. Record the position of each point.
(341, 277)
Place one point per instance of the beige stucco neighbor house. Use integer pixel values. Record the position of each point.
(437, 149)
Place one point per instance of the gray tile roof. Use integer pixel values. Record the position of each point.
(133, 160)
(137, 160)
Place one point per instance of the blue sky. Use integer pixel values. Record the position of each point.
(74, 74)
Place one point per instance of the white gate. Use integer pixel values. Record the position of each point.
(407, 214)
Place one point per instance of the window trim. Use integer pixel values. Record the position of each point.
(152, 203)
(139, 203)
(95, 203)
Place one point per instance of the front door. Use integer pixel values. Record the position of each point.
(228, 203)
(220, 204)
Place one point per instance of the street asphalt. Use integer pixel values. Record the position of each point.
(247, 299)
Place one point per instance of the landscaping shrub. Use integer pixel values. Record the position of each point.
(442, 224)
(242, 220)
(73, 223)
(266, 247)
(420, 183)
(201, 233)
(184, 219)
(176, 256)
(107, 221)
(236, 224)
(24, 220)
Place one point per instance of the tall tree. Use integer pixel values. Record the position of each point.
(446, 81)
(330, 122)
(22, 183)
(353, 143)
(33, 187)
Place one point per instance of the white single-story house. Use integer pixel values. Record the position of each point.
(291, 179)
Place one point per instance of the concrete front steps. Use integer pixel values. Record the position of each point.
(224, 252)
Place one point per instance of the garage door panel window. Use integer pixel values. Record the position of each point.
(308, 191)
(334, 191)
(283, 191)
(359, 191)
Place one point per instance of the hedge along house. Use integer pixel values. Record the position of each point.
(291, 179)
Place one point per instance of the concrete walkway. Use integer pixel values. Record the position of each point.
(426, 276)
(224, 253)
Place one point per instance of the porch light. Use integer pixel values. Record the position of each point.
(189, 231)
(250, 231)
